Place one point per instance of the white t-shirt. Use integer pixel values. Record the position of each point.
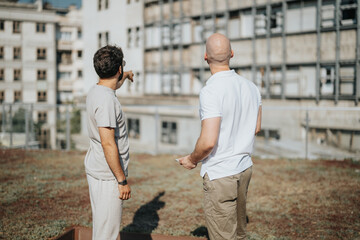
(104, 110)
(236, 100)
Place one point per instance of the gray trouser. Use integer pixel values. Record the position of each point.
(106, 208)
(225, 206)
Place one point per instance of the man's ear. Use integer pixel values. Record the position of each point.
(120, 69)
(232, 54)
(205, 57)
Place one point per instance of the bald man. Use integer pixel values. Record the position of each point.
(230, 113)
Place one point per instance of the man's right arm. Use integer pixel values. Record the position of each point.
(258, 123)
(107, 136)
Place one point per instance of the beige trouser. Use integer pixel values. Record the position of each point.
(106, 208)
(225, 206)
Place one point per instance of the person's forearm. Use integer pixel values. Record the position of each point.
(201, 151)
(112, 159)
(127, 75)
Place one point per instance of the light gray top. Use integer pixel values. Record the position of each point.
(104, 110)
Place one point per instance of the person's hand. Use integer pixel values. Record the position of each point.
(125, 192)
(129, 75)
(187, 163)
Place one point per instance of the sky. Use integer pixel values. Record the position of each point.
(57, 3)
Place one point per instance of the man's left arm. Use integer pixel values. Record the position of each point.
(209, 135)
(127, 75)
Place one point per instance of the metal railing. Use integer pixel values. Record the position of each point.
(312, 130)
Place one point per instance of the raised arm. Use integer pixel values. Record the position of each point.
(258, 123)
(107, 136)
(127, 75)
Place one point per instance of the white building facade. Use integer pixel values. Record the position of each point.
(118, 23)
(28, 62)
(70, 55)
(301, 54)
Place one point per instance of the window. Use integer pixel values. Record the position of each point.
(41, 74)
(169, 132)
(275, 79)
(41, 54)
(80, 74)
(103, 4)
(133, 125)
(328, 15)
(137, 37)
(103, 39)
(302, 16)
(17, 96)
(17, 74)
(42, 117)
(137, 82)
(16, 27)
(65, 36)
(40, 27)
(17, 53)
(106, 38)
(129, 38)
(64, 57)
(260, 22)
(348, 12)
(327, 80)
(44, 138)
(276, 20)
(1, 52)
(2, 96)
(79, 54)
(64, 75)
(2, 75)
(347, 80)
(79, 34)
(2, 25)
(41, 96)
(99, 40)
(133, 37)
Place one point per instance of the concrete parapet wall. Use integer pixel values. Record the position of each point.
(301, 48)
(328, 46)
(242, 53)
(348, 45)
(288, 118)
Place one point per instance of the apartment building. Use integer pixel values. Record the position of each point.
(70, 55)
(300, 54)
(119, 23)
(28, 63)
(290, 49)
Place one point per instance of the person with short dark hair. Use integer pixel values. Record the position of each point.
(230, 113)
(107, 159)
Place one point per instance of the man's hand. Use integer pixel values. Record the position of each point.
(129, 75)
(125, 192)
(187, 163)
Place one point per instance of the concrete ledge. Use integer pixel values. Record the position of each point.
(83, 233)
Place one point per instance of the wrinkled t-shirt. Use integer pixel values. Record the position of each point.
(104, 110)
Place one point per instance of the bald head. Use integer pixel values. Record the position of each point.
(218, 50)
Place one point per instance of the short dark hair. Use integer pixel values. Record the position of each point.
(107, 61)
